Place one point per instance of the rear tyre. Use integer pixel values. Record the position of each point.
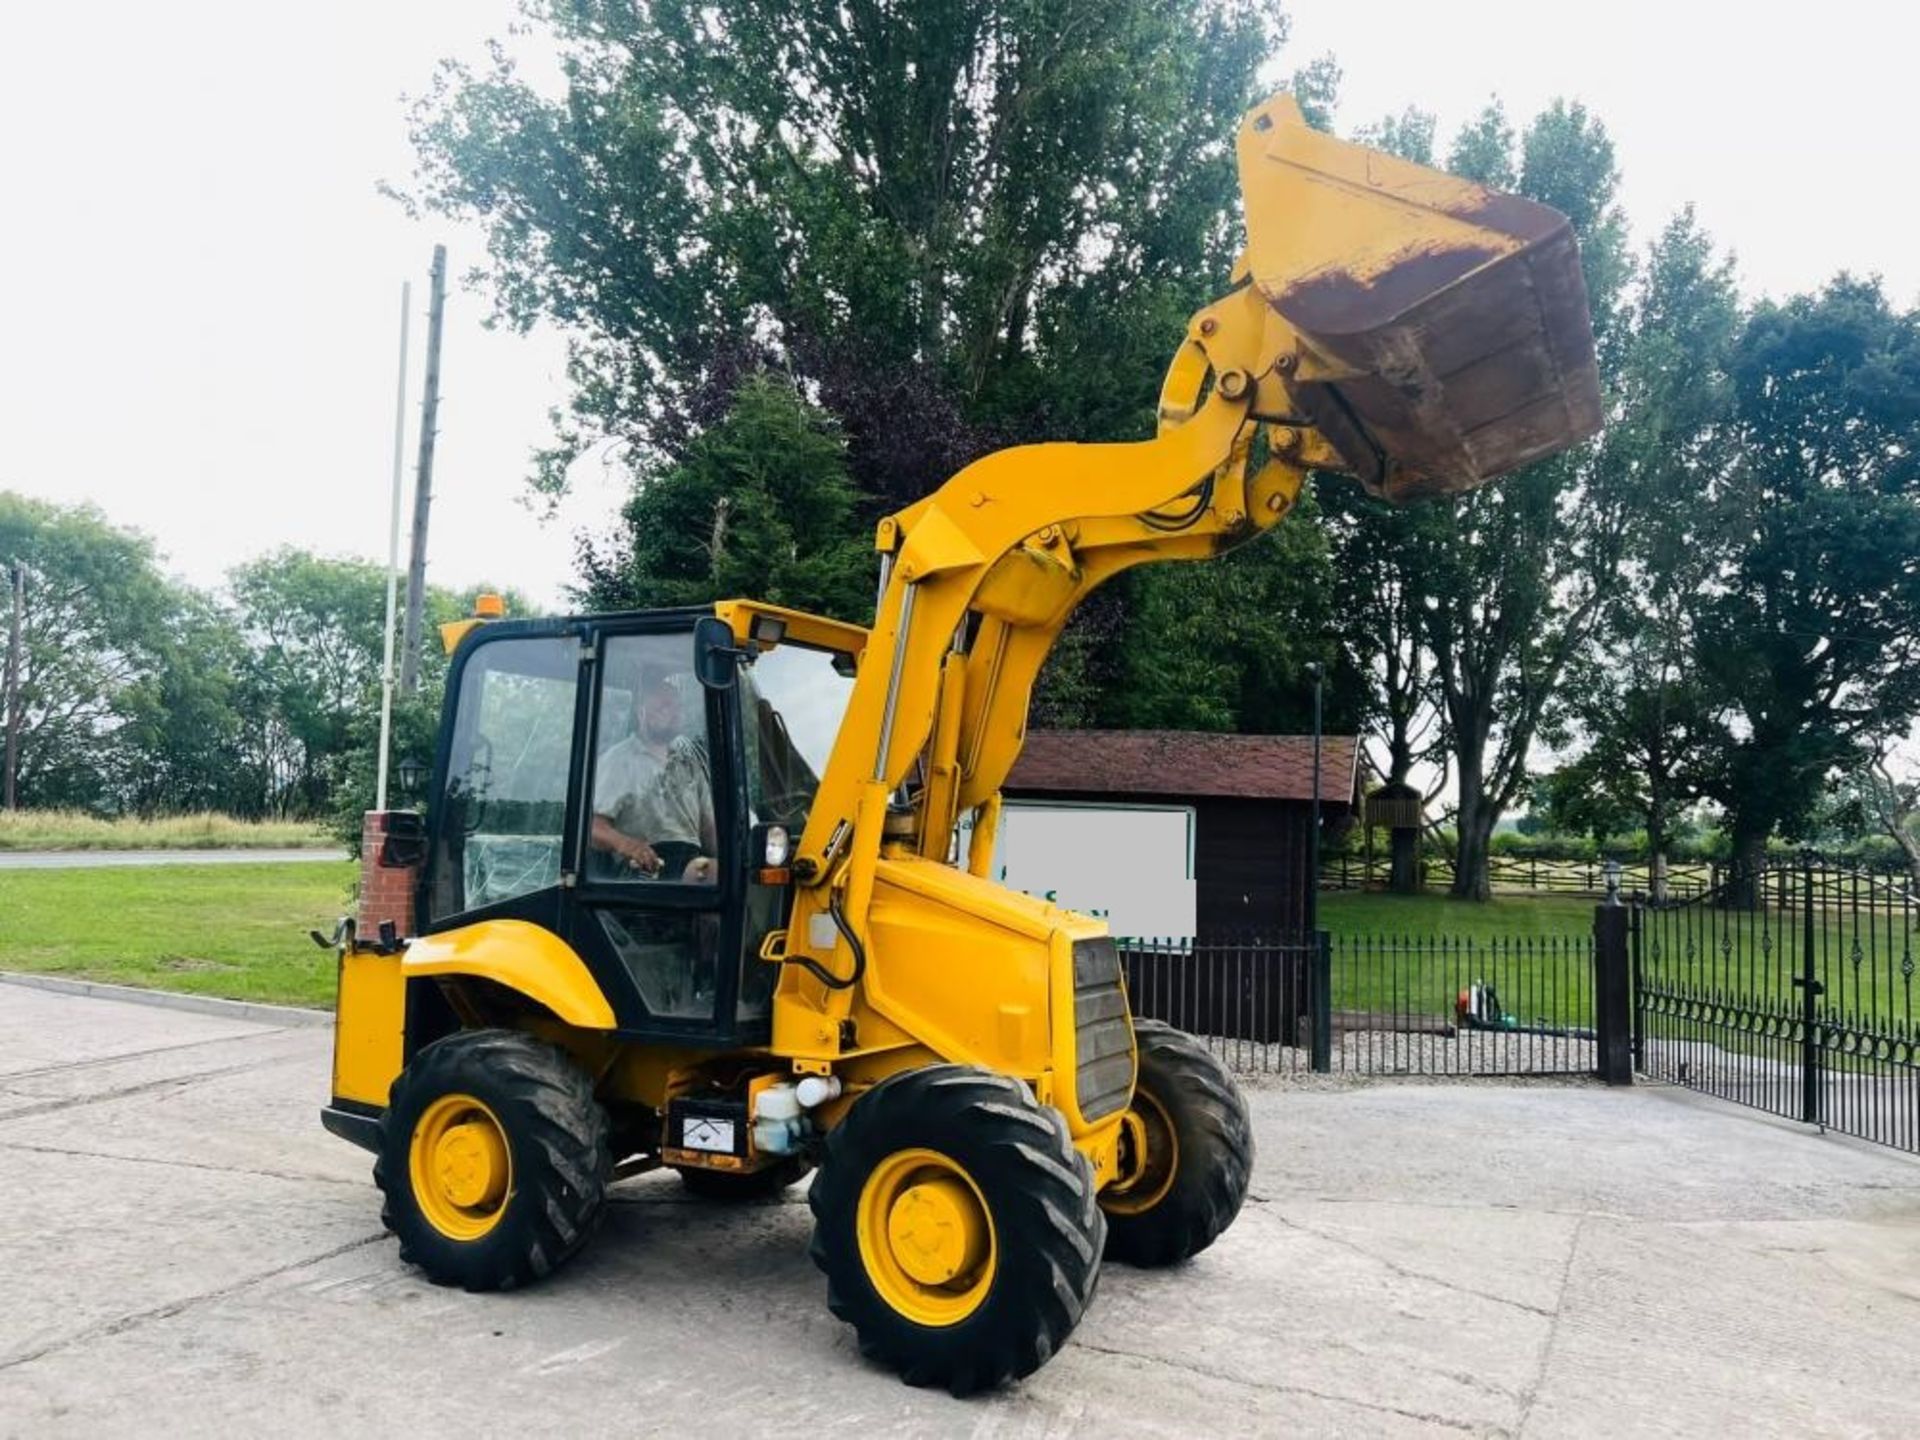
(494, 1160)
(957, 1227)
(727, 1185)
(1186, 1153)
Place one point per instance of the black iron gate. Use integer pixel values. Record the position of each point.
(1791, 990)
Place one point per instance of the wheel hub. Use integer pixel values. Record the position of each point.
(936, 1231)
(471, 1164)
(460, 1167)
(1148, 1160)
(926, 1237)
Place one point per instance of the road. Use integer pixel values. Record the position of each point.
(186, 1252)
(86, 859)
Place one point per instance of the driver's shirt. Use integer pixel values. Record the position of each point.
(654, 799)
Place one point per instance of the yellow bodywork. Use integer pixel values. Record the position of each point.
(522, 957)
(369, 1033)
(1390, 322)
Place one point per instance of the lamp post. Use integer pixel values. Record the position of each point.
(1313, 840)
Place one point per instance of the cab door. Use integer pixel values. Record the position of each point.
(500, 817)
(659, 884)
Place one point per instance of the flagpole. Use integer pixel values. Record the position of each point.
(393, 548)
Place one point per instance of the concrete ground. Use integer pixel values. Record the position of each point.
(183, 1250)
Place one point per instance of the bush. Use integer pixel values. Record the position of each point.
(1513, 846)
(78, 830)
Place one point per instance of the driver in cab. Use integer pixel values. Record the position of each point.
(652, 793)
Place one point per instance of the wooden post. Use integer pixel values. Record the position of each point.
(17, 584)
(423, 480)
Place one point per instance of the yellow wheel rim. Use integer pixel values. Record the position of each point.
(461, 1168)
(1149, 1158)
(926, 1237)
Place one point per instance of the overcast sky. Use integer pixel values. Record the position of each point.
(199, 285)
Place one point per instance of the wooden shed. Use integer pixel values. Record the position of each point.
(1251, 797)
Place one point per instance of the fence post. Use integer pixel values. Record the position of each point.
(1612, 990)
(1810, 988)
(1320, 1000)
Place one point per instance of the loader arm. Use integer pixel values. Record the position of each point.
(1399, 325)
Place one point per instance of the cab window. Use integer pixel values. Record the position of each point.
(505, 797)
(653, 818)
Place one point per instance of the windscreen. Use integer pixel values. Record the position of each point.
(794, 699)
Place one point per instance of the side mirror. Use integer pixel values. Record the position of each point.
(716, 660)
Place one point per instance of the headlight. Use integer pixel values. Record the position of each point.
(778, 847)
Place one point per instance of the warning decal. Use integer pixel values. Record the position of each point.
(703, 1133)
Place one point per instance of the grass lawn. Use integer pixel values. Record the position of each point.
(1351, 913)
(77, 830)
(238, 931)
(1412, 955)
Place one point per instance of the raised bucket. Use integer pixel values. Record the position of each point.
(1443, 333)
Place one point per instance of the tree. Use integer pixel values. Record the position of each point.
(954, 226)
(1635, 694)
(1521, 568)
(94, 632)
(184, 724)
(761, 505)
(308, 690)
(1808, 636)
(1379, 584)
(1001, 208)
(1893, 804)
(313, 627)
(1586, 797)
(1224, 645)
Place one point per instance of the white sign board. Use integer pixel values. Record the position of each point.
(1131, 866)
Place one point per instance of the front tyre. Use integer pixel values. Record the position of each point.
(494, 1160)
(1186, 1153)
(957, 1227)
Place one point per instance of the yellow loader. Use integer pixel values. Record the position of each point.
(690, 892)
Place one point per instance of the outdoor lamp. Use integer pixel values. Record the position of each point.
(413, 776)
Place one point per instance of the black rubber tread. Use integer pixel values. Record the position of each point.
(726, 1185)
(1047, 1223)
(557, 1134)
(1210, 1120)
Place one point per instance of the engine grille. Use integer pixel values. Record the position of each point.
(1103, 1035)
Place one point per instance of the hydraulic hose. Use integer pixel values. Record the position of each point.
(820, 972)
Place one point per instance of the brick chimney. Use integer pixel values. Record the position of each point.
(386, 890)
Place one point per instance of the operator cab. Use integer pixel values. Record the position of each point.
(589, 782)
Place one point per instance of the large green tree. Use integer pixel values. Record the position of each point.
(965, 219)
(184, 718)
(1635, 694)
(1489, 598)
(954, 225)
(313, 629)
(1807, 635)
(95, 632)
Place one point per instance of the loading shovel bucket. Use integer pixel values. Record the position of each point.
(1443, 330)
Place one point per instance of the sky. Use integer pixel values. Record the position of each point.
(199, 281)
